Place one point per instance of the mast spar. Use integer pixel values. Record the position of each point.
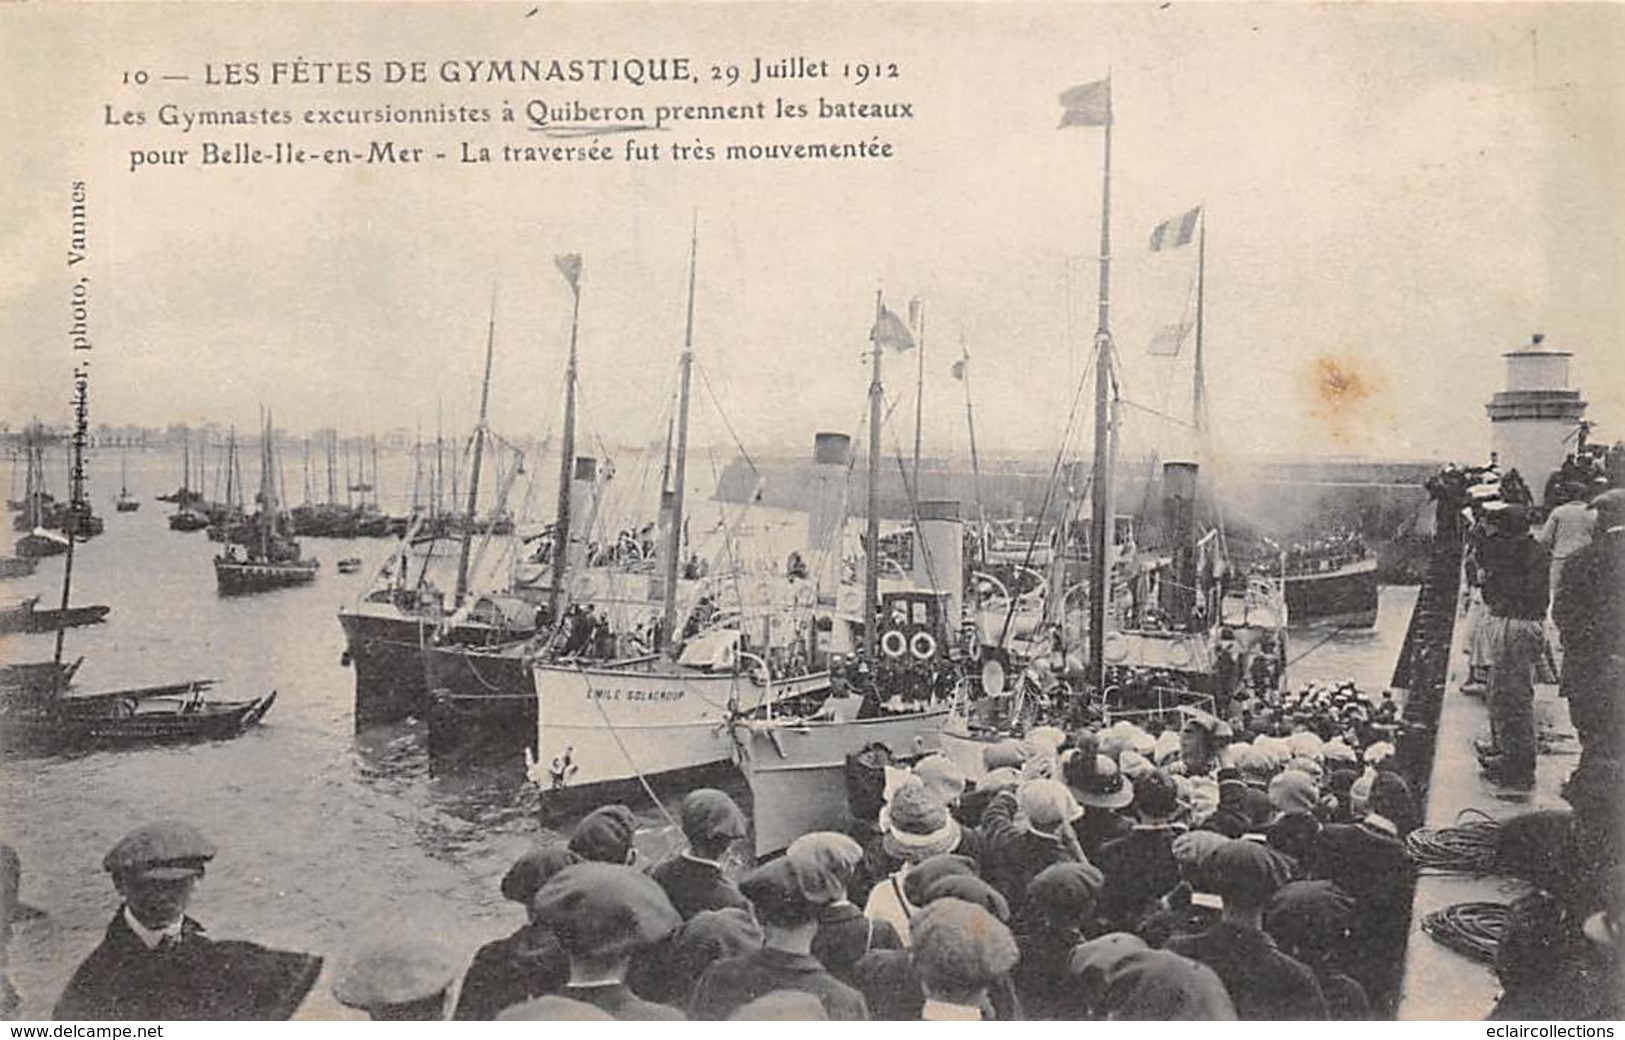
(1100, 535)
(686, 365)
(81, 424)
(479, 446)
(871, 571)
(571, 268)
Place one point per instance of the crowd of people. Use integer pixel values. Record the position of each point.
(1202, 870)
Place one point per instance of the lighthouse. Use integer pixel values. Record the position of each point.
(1534, 418)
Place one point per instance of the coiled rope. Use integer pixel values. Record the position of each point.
(1471, 929)
(1467, 848)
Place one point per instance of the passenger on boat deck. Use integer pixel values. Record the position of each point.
(693, 880)
(604, 914)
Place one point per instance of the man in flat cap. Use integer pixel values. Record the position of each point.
(604, 914)
(156, 963)
(530, 962)
(401, 977)
(694, 880)
(1264, 983)
(605, 835)
(789, 922)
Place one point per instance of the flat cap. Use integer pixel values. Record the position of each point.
(605, 834)
(604, 910)
(1609, 507)
(1047, 803)
(164, 850)
(532, 870)
(1247, 871)
(708, 814)
(554, 1008)
(776, 893)
(970, 889)
(824, 863)
(959, 945)
(1066, 891)
(393, 970)
(926, 873)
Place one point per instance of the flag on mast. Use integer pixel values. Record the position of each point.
(1176, 231)
(958, 369)
(570, 266)
(1087, 105)
(889, 331)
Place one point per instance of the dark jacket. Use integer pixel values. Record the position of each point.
(1012, 855)
(621, 1003)
(1516, 577)
(1097, 827)
(693, 886)
(845, 935)
(1370, 865)
(1139, 868)
(122, 980)
(893, 992)
(733, 982)
(1042, 977)
(1264, 983)
(1590, 616)
(527, 964)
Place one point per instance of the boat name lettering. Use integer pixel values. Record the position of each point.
(623, 693)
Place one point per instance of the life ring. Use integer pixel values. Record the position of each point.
(923, 646)
(1115, 649)
(1179, 653)
(894, 643)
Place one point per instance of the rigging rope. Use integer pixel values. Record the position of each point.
(1472, 929)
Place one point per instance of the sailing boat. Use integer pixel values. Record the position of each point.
(37, 713)
(38, 508)
(599, 725)
(187, 516)
(387, 632)
(794, 764)
(269, 558)
(126, 503)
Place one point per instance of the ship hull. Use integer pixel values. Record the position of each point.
(389, 652)
(797, 771)
(239, 578)
(1346, 597)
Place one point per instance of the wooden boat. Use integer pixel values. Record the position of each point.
(349, 565)
(126, 502)
(188, 514)
(36, 677)
(160, 714)
(41, 542)
(1345, 596)
(17, 566)
(590, 726)
(27, 617)
(271, 557)
(795, 767)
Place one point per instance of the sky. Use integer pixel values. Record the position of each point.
(1394, 196)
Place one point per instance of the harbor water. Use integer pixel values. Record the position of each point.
(323, 833)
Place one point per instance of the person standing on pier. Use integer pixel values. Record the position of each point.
(156, 963)
(1590, 616)
(1516, 592)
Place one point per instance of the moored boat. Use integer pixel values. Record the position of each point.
(270, 559)
(178, 712)
(1345, 595)
(27, 617)
(17, 566)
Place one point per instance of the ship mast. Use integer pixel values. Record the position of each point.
(571, 267)
(871, 571)
(1100, 535)
(474, 475)
(77, 509)
(679, 471)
